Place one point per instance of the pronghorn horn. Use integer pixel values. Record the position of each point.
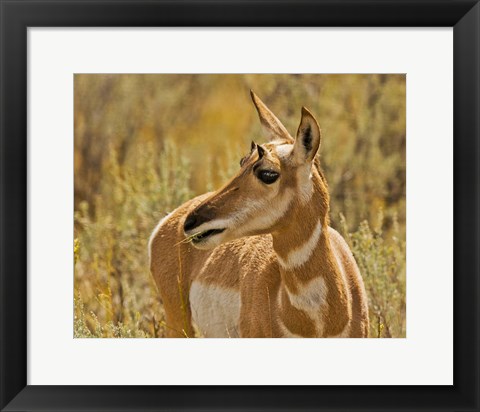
(261, 151)
(253, 146)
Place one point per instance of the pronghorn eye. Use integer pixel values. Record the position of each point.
(268, 176)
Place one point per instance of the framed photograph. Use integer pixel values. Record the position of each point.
(184, 184)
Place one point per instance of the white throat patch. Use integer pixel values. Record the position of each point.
(298, 256)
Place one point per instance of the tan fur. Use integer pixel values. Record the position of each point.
(321, 295)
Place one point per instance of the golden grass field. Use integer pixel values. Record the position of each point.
(144, 144)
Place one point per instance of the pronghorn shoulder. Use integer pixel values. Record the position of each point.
(359, 325)
(338, 243)
(244, 261)
(344, 257)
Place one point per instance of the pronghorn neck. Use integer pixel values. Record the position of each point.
(303, 224)
(311, 277)
(301, 237)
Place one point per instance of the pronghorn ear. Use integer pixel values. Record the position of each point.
(273, 127)
(308, 138)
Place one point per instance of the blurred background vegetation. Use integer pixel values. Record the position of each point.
(146, 143)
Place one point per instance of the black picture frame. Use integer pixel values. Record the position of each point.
(18, 15)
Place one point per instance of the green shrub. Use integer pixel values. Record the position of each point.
(381, 260)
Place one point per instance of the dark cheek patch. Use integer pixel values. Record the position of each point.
(307, 138)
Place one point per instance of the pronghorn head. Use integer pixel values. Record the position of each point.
(274, 179)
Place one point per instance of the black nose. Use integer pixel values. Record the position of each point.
(190, 222)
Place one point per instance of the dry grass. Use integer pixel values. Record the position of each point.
(144, 144)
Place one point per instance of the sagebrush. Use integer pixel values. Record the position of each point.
(142, 148)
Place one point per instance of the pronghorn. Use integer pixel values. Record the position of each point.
(260, 258)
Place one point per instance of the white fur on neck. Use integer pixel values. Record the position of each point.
(311, 296)
(312, 299)
(299, 256)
